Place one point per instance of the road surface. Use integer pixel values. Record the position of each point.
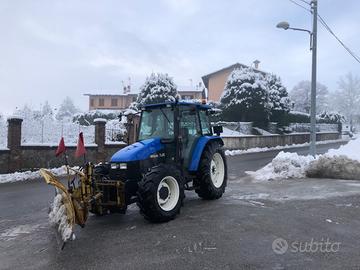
(254, 226)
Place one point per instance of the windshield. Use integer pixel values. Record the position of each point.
(158, 122)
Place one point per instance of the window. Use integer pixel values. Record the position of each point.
(101, 102)
(189, 122)
(114, 102)
(187, 97)
(205, 123)
(158, 122)
(91, 102)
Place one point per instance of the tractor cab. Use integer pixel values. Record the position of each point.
(178, 126)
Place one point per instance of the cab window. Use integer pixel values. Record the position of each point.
(205, 123)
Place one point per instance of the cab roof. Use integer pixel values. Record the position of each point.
(182, 103)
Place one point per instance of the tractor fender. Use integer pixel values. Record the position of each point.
(199, 148)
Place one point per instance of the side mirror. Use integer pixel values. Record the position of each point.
(218, 130)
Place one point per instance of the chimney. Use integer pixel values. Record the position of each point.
(256, 64)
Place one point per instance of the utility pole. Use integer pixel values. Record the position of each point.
(314, 7)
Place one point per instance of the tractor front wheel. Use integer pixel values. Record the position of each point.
(160, 193)
(212, 173)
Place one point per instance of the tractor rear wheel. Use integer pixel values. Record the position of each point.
(212, 173)
(160, 193)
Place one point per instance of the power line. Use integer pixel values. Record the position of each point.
(322, 21)
(326, 26)
(306, 2)
(296, 3)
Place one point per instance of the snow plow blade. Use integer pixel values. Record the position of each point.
(65, 211)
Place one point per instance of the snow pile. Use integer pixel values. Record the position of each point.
(284, 165)
(351, 150)
(342, 163)
(337, 167)
(29, 175)
(58, 218)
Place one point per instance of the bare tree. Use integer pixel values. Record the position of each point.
(346, 99)
(300, 95)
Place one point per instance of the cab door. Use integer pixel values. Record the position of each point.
(189, 131)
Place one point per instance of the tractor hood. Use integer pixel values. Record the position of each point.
(138, 151)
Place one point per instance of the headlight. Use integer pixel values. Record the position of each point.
(114, 166)
(123, 166)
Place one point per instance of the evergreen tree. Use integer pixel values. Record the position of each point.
(279, 102)
(156, 89)
(245, 97)
(67, 109)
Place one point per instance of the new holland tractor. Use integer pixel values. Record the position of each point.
(176, 150)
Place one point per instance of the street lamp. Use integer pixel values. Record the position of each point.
(313, 47)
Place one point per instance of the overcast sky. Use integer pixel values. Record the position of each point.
(52, 49)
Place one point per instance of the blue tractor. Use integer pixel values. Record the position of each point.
(176, 151)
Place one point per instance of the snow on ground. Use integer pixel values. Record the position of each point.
(28, 175)
(227, 132)
(342, 163)
(15, 231)
(279, 147)
(58, 218)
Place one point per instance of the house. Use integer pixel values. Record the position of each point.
(191, 93)
(215, 82)
(123, 101)
(110, 102)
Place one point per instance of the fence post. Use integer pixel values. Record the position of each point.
(100, 138)
(14, 143)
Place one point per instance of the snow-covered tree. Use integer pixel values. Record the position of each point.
(245, 97)
(330, 117)
(156, 89)
(25, 112)
(301, 96)
(279, 102)
(347, 98)
(67, 109)
(46, 110)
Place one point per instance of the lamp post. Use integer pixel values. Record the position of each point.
(313, 48)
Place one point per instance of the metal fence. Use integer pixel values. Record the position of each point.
(50, 132)
(115, 135)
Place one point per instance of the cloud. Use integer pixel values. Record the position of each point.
(51, 50)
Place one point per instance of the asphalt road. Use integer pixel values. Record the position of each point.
(318, 219)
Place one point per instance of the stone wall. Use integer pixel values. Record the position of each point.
(246, 142)
(30, 157)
